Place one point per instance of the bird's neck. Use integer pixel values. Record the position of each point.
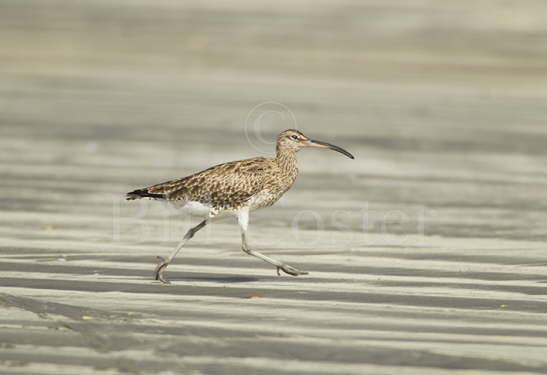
(286, 159)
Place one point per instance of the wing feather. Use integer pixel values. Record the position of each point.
(227, 185)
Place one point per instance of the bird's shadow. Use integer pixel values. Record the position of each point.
(216, 279)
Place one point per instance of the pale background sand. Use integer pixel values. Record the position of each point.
(426, 254)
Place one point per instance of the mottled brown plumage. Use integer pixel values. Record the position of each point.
(237, 187)
(256, 182)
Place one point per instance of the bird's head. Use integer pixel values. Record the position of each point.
(294, 140)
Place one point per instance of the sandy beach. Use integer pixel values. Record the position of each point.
(426, 254)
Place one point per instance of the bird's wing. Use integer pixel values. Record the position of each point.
(225, 185)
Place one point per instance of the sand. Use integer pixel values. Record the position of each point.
(426, 253)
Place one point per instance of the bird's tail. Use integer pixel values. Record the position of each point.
(142, 193)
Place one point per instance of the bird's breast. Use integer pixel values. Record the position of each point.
(265, 198)
(271, 194)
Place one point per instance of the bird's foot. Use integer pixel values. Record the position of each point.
(160, 269)
(289, 270)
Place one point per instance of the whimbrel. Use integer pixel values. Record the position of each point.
(235, 188)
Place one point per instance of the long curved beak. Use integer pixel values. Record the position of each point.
(321, 144)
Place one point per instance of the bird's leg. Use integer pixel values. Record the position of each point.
(243, 219)
(280, 266)
(164, 262)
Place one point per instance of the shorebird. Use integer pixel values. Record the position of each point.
(235, 188)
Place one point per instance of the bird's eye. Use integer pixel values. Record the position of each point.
(294, 136)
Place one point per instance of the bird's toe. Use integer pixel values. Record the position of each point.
(160, 269)
(290, 270)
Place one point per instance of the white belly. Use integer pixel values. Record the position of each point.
(188, 208)
(196, 209)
